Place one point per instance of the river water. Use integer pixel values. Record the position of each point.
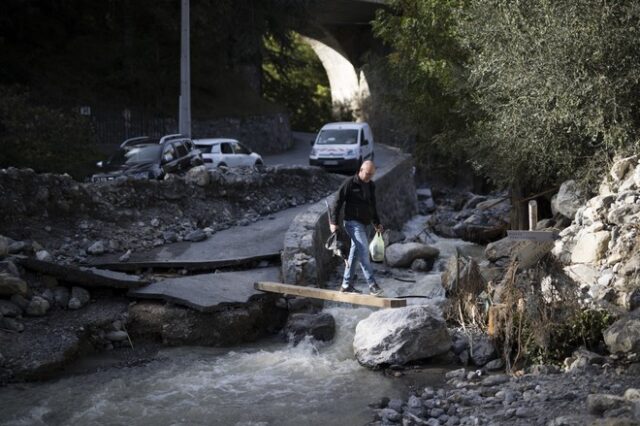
(266, 383)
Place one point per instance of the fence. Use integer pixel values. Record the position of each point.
(112, 127)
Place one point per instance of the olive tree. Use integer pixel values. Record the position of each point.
(557, 83)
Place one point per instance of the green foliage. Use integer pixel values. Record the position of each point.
(557, 82)
(528, 92)
(295, 78)
(583, 329)
(42, 138)
(127, 52)
(425, 78)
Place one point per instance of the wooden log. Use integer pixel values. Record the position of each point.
(336, 296)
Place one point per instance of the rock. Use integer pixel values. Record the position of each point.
(319, 326)
(61, 296)
(391, 236)
(44, 255)
(196, 235)
(20, 301)
(403, 254)
(482, 350)
(567, 201)
(398, 336)
(10, 285)
(421, 265)
(625, 214)
(79, 298)
(9, 309)
(590, 248)
(496, 364)
(11, 324)
(116, 336)
(125, 257)
(198, 175)
(621, 167)
(623, 336)
(500, 249)
(170, 236)
(96, 248)
(4, 245)
(10, 268)
(17, 247)
(37, 307)
(599, 403)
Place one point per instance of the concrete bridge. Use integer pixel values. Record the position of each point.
(340, 34)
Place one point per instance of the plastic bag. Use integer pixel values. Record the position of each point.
(335, 244)
(376, 248)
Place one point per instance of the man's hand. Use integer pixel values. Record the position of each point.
(379, 228)
(333, 228)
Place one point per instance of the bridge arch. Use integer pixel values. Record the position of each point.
(348, 86)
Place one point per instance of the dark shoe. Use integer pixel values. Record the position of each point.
(375, 290)
(350, 289)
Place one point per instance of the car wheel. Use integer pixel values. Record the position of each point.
(222, 165)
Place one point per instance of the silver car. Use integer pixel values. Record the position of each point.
(223, 152)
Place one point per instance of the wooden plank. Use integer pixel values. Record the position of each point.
(533, 235)
(336, 296)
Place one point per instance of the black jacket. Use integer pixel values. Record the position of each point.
(359, 199)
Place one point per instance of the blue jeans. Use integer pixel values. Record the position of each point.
(359, 253)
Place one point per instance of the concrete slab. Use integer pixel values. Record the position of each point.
(85, 277)
(235, 246)
(208, 292)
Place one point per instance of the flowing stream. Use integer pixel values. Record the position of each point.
(266, 383)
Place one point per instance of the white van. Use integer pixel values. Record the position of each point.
(342, 146)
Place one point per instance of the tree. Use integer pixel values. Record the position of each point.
(423, 81)
(557, 81)
(295, 78)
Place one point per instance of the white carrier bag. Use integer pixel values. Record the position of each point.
(376, 248)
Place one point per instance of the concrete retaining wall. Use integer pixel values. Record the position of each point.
(306, 262)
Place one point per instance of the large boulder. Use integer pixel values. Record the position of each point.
(399, 336)
(319, 326)
(198, 175)
(623, 336)
(401, 255)
(568, 200)
(590, 247)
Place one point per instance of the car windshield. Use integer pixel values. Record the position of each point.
(337, 137)
(143, 154)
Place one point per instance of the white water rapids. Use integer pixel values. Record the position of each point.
(266, 383)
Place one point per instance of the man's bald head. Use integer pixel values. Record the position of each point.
(367, 170)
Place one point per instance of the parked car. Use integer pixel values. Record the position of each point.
(223, 152)
(342, 146)
(147, 158)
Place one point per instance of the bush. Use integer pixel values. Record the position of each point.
(42, 138)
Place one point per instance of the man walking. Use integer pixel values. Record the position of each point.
(358, 195)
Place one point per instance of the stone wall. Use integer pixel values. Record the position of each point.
(265, 134)
(305, 261)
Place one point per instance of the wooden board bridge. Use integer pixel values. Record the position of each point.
(333, 295)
